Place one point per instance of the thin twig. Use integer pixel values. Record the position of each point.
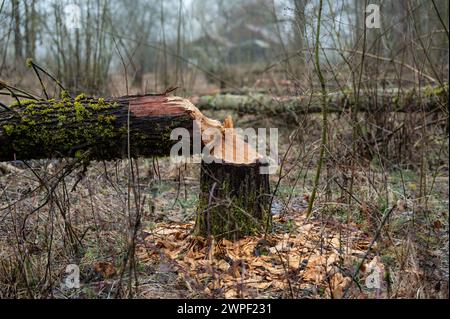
(377, 234)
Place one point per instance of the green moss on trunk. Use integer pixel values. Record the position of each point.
(95, 126)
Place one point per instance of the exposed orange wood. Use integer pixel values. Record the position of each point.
(168, 105)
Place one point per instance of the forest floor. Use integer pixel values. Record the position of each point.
(87, 220)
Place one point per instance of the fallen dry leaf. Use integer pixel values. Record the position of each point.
(226, 265)
(105, 269)
(338, 285)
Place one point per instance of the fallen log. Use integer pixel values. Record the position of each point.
(392, 100)
(95, 127)
(234, 195)
(6, 168)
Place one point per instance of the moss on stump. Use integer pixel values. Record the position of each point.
(234, 201)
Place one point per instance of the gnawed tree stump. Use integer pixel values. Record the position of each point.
(234, 200)
(235, 195)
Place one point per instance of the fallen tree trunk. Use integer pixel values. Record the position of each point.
(94, 127)
(234, 195)
(428, 99)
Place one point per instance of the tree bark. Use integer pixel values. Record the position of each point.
(17, 34)
(95, 128)
(433, 98)
(234, 201)
(235, 194)
(299, 33)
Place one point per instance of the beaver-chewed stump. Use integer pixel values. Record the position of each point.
(234, 195)
(234, 200)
